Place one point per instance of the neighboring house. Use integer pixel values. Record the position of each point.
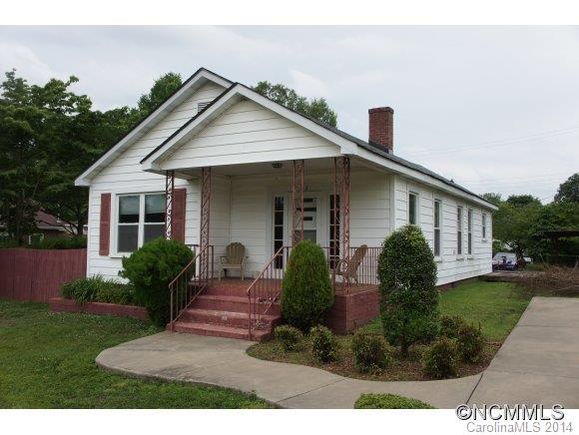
(47, 226)
(242, 164)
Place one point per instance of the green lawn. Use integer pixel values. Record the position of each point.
(496, 306)
(47, 361)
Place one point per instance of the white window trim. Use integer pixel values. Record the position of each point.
(141, 224)
(417, 195)
(460, 225)
(437, 258)
(484, 226)
(470, 231)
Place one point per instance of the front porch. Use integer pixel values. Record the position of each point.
(266, 208)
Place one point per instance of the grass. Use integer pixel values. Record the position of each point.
(47, 361)
(495, 306)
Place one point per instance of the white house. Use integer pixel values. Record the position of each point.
(242, 164)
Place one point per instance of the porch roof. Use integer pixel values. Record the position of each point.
(363, 152)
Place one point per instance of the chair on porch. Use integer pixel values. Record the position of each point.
(348, 269)
(234, 258)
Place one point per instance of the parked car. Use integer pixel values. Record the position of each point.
(504, 261)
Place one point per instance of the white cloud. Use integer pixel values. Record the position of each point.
(308, 85)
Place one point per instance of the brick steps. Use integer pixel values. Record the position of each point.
(222, 311)
(219, 330)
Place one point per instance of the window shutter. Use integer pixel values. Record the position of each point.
(178, 215)
(105, 224)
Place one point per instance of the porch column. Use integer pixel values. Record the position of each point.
(297, 201)
(204, 258)
(169, 195)
(342, 188)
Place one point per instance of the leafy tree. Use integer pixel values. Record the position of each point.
(493, 198)
(316, 108)
(512, 224)
(163, 88)
(569, 190)
(408, 295)
(522, 200)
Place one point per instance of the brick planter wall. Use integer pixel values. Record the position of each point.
(61, 305)
(353, 310)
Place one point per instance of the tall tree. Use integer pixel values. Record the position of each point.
(316, 108)
(493, 198)
(569, 190)
(163, 87)
(522, 200)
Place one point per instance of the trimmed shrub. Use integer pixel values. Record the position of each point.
(371, 352)
(150, 269)
(307, 291)
(98, 289)
(324, 344)
(289, 337)
(470, 343)
(75, 242)
(450, 325)
(408, 295)
(389, 401)
(441, 358)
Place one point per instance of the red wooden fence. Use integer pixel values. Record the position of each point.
(37, 274)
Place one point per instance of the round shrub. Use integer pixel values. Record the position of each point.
(441, 358)
(389, 401)
(324, 344)
(450, 325)
(150, 269)
(408, 295)
(307, 291)
(470, 343)
(289, 337)
(371, 352)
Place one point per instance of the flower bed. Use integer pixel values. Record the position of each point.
(62, 305)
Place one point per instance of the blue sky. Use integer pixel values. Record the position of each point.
(494, 108)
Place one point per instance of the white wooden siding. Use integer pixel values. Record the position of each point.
(249, 133)
(124, 175)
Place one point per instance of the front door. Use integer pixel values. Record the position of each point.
(311, 210)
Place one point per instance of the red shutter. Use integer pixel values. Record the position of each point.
(105, 224)
(178, 215)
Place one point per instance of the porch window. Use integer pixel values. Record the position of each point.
(140, 219)
(278, 224)
(469, 231)
(412, 202)
(437, 217)
(459, 230)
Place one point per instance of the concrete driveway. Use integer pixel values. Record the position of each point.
(538, 363)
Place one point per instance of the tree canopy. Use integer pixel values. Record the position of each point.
(316, 108)
(569, 190)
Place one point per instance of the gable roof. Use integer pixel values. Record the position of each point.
(349, 144)
(200, 76)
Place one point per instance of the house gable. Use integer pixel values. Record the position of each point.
(202, 87)
(246, 132)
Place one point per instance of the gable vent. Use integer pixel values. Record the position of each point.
(201, 106)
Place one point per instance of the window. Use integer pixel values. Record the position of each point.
(459, 231)
(412, 202)
(278, 207)
(437, 219)
(469, 231)
(484, 226)
(202, 106)
(140, 219)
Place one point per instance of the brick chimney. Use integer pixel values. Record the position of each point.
(381, 127)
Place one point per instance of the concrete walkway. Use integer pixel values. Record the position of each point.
(536, 364)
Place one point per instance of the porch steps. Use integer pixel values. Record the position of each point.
(222, 311)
